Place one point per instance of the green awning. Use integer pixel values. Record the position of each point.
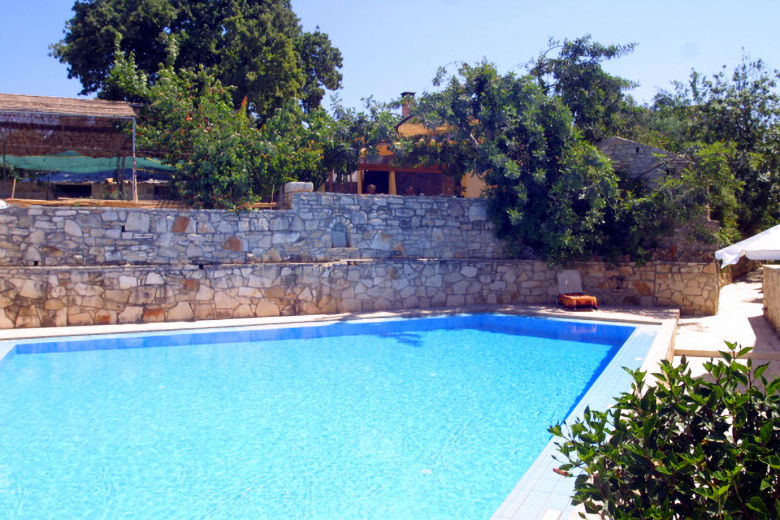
(73, 162)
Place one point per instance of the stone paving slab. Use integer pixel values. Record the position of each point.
(740, 318)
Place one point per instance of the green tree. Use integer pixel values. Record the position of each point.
(216, 149)
(223, 157)
(704, 187)
(552, 194)
(711, 177)
(669, 122)
(320, 61)
(301, 144)
(597, 100)
(257, 46)
(548, 189)
(125, 80)
(744, 108)
(738, 112)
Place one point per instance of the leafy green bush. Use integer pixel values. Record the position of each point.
(683, 448)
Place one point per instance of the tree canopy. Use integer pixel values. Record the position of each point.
(548, 188)
(743, 109)
(216, 150)
(256, 46)
(231, 90)
(531, 136)
(224, 157)
(551, 192)
(595, 98)
(737, 112)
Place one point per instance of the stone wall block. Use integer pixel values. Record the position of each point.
(232, 244)
(37, 237)
(142, 295)
(109, 215)
(86, 289)
(643, 288)
(72, 228)
(223, 300)
(5, 321)
(59, 319)
(92, 302)
(128, 282)
(276, 292)
(53, 305)
(465, 260)
(204, 228)
(271, 255)
(165, 242)
(190, 284)
(180, 312)
(154, 279)
(106, 317)
(182, 224)
(153, 315)
(89, 220)
(203, 311)
(249, 292)
(80, 318)
(161, 224)
(31, 289)
(193, 253)
(32, 255)
(138, 221)
(266, 308)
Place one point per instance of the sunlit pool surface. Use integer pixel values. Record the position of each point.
(429, 418)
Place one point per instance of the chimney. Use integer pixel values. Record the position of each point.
(407, 100)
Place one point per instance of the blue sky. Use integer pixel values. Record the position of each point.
(395, 45)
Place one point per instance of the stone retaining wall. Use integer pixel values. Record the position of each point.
(328, 253)
(319, 227)
(39, 296)
(772, 295)
(692, 286)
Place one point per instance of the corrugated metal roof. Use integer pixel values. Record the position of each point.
(66, 106)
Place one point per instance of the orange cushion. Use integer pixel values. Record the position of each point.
(574, 300)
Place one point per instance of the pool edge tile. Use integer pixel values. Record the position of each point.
(516, 506)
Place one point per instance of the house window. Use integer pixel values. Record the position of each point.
(73, 191)
(379, 179)
(162, 193)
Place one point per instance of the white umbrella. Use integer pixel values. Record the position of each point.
(764, 246)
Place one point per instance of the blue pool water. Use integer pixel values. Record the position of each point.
(426, 418)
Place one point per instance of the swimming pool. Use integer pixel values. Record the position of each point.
(418, 418)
